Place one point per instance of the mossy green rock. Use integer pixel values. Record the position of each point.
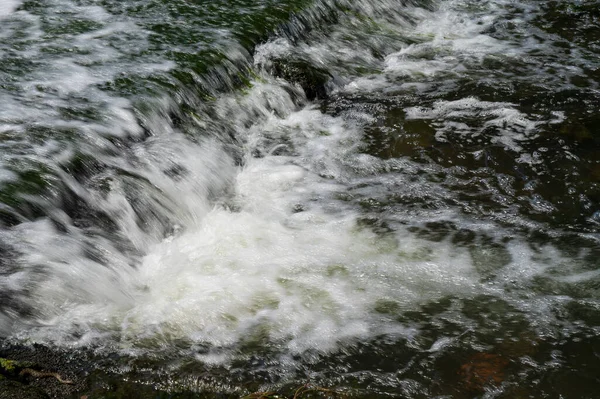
(11, 368)
(7, 365)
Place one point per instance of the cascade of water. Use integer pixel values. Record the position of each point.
(365, 172)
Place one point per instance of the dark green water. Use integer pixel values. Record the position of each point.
(384, 198)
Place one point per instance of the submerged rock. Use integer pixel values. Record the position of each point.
(12, 368)
(483, 369)
(36, 371)
(10, 389)
(11, 385)
(313, 80)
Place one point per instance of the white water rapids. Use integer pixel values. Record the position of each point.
(272, 249)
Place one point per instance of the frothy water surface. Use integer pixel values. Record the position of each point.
(388, 197)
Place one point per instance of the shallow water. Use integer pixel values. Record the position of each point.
(389, 198)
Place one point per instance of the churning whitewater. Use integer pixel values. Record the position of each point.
(180, 187)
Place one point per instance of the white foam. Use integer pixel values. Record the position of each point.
(268, 251)
(511, 125)
(281, 261)
(284, 260)
(309, 280)
(7, 7)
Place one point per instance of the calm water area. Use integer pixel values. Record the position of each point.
(384, 198)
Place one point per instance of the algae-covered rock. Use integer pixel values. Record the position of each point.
(12, 368)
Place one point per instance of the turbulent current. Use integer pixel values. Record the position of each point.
(385, 197)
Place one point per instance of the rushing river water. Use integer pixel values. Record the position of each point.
(385, 197)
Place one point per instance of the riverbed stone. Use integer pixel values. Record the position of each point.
(10, 389)
(313, 80)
